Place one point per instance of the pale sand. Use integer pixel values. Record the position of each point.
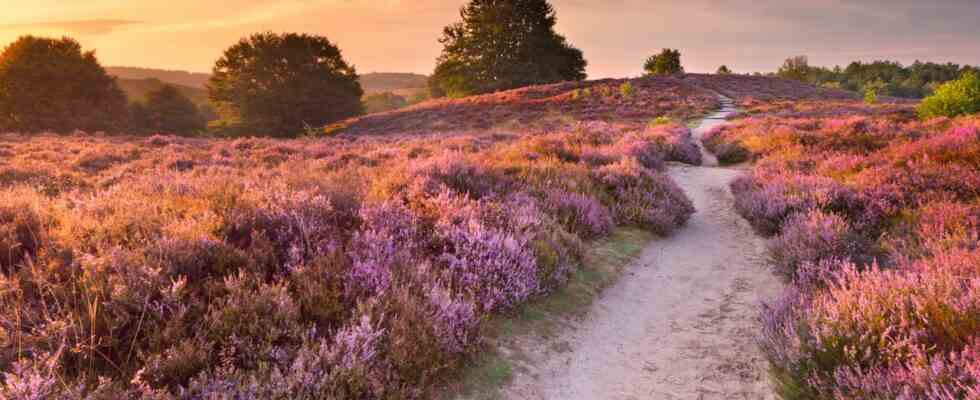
(680, 324)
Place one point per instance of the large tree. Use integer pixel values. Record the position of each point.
(167, 110)
(278, 85)
(668, 62)
(504, 44)
(52, 85)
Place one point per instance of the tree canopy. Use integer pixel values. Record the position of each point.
(278, 85)
(167, 110)
(723, 70)
(668, 62)
(52, 85)
(503, 44)
(886, 78)
(954, 98)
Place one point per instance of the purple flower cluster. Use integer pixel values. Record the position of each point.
(875, 218)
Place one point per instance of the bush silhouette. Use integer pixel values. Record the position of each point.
(52, 85)
(502, 45)
(279, 84)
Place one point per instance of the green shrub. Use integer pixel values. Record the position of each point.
(959, 97)
(627, 90)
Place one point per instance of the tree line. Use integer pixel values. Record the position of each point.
(885, 78)
(278, 84)
(289, 84)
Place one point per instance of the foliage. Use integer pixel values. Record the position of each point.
(723, 70)
(952, 99)
(185, 267)
(52, 85)
(796, 68)
(502, 45)
(272, 84)
(889, 78)
(385, 101)
(166, 111)
(668, 62)
(875, 219)
(872, 90)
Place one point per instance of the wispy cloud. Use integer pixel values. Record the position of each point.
(81, 27)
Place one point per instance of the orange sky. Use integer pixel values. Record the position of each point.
(616, 35)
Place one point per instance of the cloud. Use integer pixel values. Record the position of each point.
(81, 27)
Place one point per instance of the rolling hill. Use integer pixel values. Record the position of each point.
(137, 79)
(137, 89)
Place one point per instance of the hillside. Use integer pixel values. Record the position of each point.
(184, 78)
(546, 107)
(403, 84)
(137, 89)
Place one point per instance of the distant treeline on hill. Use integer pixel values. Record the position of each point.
(886, 78)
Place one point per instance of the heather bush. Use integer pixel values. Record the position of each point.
(644, 198)
(23, 227)
(910, 331)
(810, 237)
(176, 267)
(874, 216)
(580, 214)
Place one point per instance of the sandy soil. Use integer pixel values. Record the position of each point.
(680, 324)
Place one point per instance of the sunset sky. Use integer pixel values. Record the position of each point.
(616, 35)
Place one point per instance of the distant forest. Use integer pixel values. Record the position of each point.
(886, 78)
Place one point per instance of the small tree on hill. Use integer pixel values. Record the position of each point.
(167, 110)
(796, 68)
(52, 85)
(954, 98)
(503, 44)
(668, 62)
(723, 70)
(278, 85)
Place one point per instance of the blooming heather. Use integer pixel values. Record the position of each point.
(347, 267)
(875, 216)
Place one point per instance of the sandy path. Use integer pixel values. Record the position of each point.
(680, 324)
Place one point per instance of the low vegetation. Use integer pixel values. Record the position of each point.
(171, 267)
(874, 219)
(544, 108)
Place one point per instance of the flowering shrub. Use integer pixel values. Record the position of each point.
(807, 238)
(351, 267)
(624, 100)
(875, 217)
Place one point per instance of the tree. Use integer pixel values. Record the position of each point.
(385, 101)
(52, 85)
(954, 98)
(796, 68)
(167, 110)
(723, 70)
(278, 85)
(668, 62)
(503, 44)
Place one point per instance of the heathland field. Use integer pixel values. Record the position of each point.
(368, 263)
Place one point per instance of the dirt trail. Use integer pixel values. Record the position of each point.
(682, 321)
